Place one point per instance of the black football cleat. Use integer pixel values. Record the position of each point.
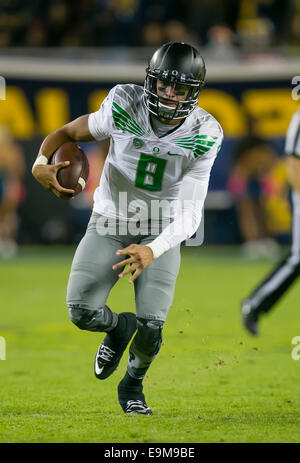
(110, 352)
(250, 318)
(136, 407)
(132, 400)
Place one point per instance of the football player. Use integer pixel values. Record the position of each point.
(162, 148)
(264, 297)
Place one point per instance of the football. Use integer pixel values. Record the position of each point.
(75, 175)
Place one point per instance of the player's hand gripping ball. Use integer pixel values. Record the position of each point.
(75, 175)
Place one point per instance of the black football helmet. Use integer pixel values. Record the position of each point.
(176, 63)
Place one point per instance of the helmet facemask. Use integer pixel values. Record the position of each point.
(163, 107)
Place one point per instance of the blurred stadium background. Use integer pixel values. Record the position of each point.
(60, 58)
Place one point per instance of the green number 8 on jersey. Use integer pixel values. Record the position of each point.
(150, 171)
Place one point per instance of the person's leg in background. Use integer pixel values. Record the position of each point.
(264, 297)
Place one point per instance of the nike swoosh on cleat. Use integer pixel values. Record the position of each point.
(98, 370)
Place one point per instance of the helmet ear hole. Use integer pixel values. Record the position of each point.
(179, 63)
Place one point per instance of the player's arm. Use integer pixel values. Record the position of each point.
(192, 195)
(44, 173)
(189, 212)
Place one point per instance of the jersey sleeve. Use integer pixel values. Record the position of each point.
(205, 152)
(292, 143)
(101, 122)
(213, 141)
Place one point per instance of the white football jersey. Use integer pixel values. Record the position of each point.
(139, 163)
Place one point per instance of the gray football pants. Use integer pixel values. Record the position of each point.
(92, 277)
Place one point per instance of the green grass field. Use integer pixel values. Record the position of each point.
(211, 382)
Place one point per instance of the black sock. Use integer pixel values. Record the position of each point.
(126, 323)
(117, 333)
(130, 389)
(128, 381)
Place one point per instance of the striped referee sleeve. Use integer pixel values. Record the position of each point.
(292, 142)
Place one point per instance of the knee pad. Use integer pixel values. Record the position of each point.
(144, 347)
(149, 336)
(93, 320)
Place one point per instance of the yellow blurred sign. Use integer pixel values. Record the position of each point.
(271, 109)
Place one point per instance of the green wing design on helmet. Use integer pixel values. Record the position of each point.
(199, 144)
(124, 121)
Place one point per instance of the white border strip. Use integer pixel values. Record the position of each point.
(86, 70)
